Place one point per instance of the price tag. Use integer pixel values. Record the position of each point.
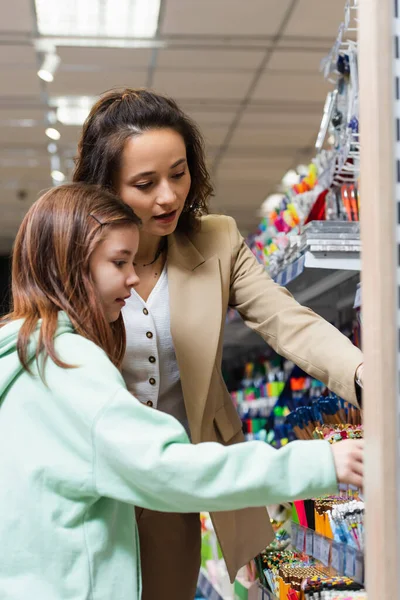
(335, 556)
(325, 551)
(350, 564)
(359, 568)
(300, 539)
(294, 534)
(317, 546)
(310, 542)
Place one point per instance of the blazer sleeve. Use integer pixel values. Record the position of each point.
(144, 457)
(292, 330)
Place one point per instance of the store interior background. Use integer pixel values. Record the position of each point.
(247, 72)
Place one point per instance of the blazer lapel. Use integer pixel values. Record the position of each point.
(196, 311)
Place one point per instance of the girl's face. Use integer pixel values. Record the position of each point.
(154, 179)
(112, 269)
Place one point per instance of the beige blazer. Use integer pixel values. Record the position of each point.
(208, 271)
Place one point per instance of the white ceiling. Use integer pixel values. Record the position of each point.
(246, 71)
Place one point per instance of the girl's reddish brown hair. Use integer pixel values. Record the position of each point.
(50, 269)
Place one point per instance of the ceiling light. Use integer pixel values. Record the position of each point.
(98, 18)
(52, 148)
(57, 176)
(49, 67)
(52, 133)
(72, 110)
(72, 115)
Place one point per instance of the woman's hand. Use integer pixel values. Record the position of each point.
(348, 457)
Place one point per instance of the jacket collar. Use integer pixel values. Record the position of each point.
(182, 252)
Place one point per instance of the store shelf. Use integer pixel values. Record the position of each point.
(317, 273)
(341, 558)
(335, 261)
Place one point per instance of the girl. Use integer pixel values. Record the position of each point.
(191, 268)
(77, 448)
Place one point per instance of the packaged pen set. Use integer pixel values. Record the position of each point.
(290, 575)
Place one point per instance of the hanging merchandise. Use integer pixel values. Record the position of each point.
(328, 189)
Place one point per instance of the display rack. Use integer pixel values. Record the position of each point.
(314, 274)
(342, 559)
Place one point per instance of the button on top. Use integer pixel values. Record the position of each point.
(152, 381)
(152, 359)
(149, 335)
(149, 403)
(145, 311)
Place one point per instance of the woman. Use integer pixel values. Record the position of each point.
(77, 449)
(192, 266)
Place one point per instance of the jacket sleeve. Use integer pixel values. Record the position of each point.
(143, 456)
(292, 330)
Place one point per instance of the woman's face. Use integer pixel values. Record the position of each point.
(154, 179)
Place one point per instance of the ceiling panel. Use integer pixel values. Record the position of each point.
(226, 17)
(23, 113)
(295, 88)
(288, 137)
(32, 136)
(286, 60)
(256, 168)
(105, 57)
(205, 118)
(20, 56)
(26, 174)
(285, 120)
(316, 19)
(300, 43)
(16, 16)
(94, 84)
(247, 194)
(19, 82)
(204, 59)
(22, 135)
(192, 84)
(214, 136)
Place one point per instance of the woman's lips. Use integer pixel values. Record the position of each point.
(166, 218)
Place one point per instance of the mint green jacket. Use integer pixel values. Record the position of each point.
(78, 452)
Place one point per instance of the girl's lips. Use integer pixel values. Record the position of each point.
(166, 218)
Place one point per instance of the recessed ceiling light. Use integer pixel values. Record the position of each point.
(98, 18)
(57, 176)
(52, 133)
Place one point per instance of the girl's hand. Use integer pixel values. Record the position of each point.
(348, 457)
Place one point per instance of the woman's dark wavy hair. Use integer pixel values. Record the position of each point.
(120, 114)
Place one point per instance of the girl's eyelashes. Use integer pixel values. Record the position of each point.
(179, 175)
(119, 263)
